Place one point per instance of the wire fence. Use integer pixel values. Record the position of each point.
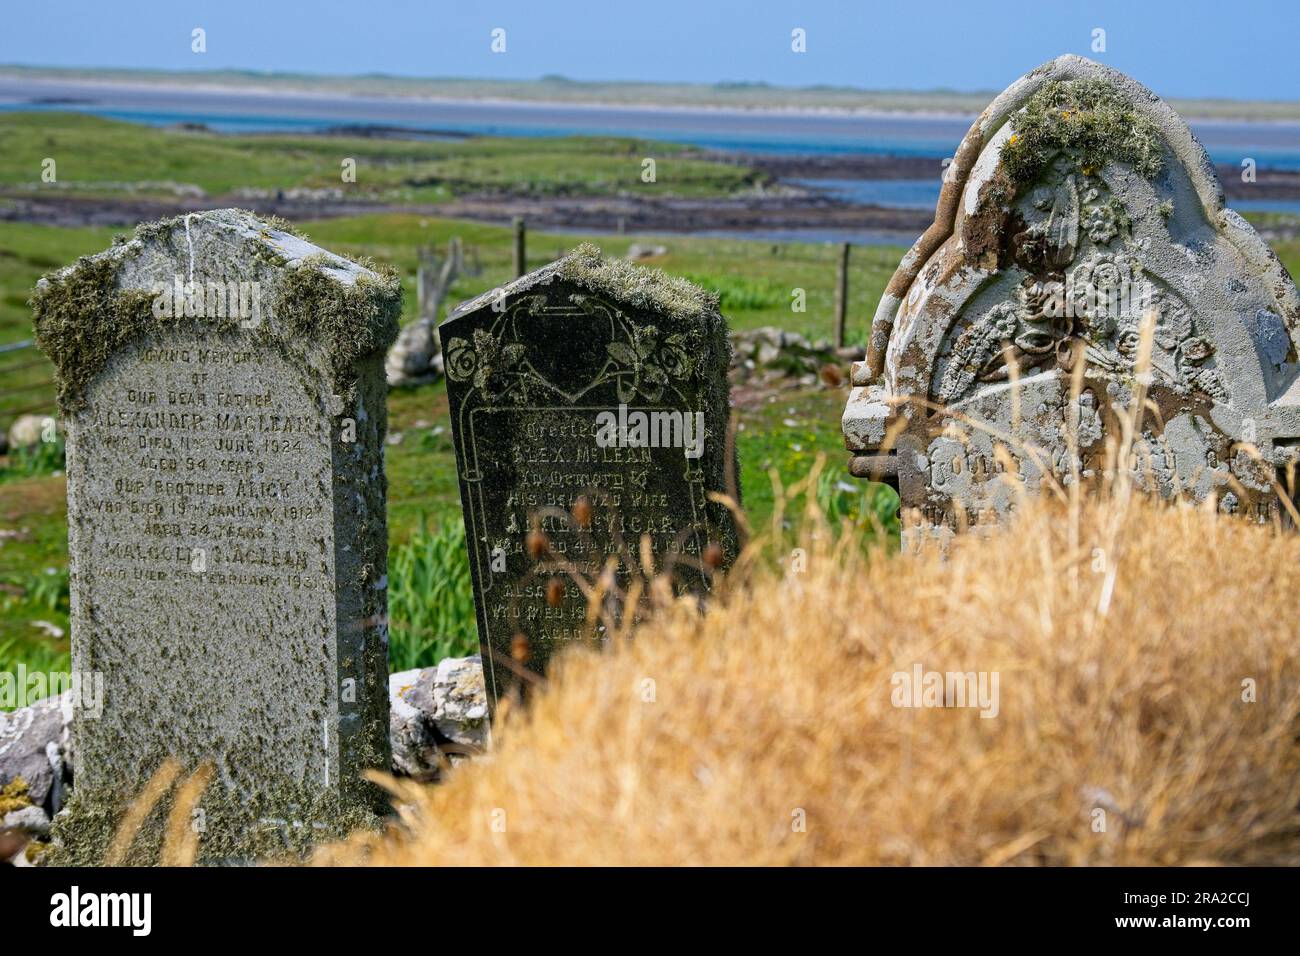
(20, 397)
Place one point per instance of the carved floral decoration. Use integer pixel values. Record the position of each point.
(640, 360)
(1085, 291)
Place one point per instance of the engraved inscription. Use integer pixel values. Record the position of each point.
(201, 491)
(549, 459)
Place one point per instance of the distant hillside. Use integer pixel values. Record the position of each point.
(564, 90)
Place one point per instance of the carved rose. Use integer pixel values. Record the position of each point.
(483, 360)
(1044, 324)
(673, 357)
(1041, 300)
(1197, 350)
(1031, 246)
(1101, 224)
(1098, 288)
(461, 360)
(1105, 274)
(1173, 323)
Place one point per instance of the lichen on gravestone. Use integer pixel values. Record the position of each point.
(222, 384)
(84, 313)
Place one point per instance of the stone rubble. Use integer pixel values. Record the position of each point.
(33, 820)
(770, 352)
(435, 713)
(35, 744)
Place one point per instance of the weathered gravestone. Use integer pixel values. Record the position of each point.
(589, 409)
(1078, 206)
(222, 385)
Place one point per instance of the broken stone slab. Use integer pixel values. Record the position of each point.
(33, 820)
(1078, 204)
(410, 731)
(460, 711)
(645, 250)
(26, 431)
(221, 383)
(415, 357)
(437, 711)
(35, 744)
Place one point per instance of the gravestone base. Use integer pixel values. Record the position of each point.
(288, 825)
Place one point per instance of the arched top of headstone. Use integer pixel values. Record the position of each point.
(1077, 179)
(215, 272)
(583, 322)
(616, 280)
(1081, 261)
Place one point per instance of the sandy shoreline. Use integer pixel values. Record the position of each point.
(199, 85)
(285, 89)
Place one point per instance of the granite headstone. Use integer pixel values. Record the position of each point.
(222, 384)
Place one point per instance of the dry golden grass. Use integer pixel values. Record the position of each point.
(1148, 710)
(775, 705)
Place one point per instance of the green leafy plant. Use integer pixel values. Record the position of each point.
(47, 590)
(865, 505)
(743, 292)
(38, 656)
(43, 458)
(430, 597)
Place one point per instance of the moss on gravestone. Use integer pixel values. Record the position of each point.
(353, 319)
(81, 316)
(655, 292)
(1090, 117)
(637, 286)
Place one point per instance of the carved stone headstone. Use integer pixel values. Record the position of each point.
(222, 385)
(1079, 209)
(589, 407)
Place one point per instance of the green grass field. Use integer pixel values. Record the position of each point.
(754, 279)
(95, 156)
(780, 436)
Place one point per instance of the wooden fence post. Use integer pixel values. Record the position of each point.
(842, 295)
(521, 261)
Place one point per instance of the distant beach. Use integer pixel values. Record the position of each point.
(776, 129)
(843, 174)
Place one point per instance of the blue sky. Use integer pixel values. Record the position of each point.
(1243, 48)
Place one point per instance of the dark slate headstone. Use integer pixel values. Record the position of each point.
(221, 380)
(589, 408)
